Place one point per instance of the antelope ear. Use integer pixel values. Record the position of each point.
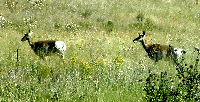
(139, 34)
(143, 32)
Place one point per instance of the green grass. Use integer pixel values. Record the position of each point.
(101, 61)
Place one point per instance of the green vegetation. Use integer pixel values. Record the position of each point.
(101, 61)
(183, 87)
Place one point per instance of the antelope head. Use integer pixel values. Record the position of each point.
(27, 35)
(140, 38)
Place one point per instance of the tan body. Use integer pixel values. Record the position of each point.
(157, 51)
(45, 48)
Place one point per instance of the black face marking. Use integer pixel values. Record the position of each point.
(25, 37)
(138, 38)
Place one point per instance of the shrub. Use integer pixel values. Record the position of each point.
(164, 88)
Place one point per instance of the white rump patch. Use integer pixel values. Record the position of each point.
(60, 46)
(179, 52)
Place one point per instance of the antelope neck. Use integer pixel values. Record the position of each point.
(144, 44)
(31, 43)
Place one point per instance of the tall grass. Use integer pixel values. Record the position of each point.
(101, 62)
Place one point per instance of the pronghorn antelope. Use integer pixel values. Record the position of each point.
(45, 48)
(156, 51)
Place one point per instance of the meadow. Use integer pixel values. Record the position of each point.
(101, 61)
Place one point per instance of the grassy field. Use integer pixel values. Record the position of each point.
(101, 61)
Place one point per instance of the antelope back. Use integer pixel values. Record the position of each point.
(161, 48)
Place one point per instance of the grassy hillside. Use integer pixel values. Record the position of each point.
(101, 61)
